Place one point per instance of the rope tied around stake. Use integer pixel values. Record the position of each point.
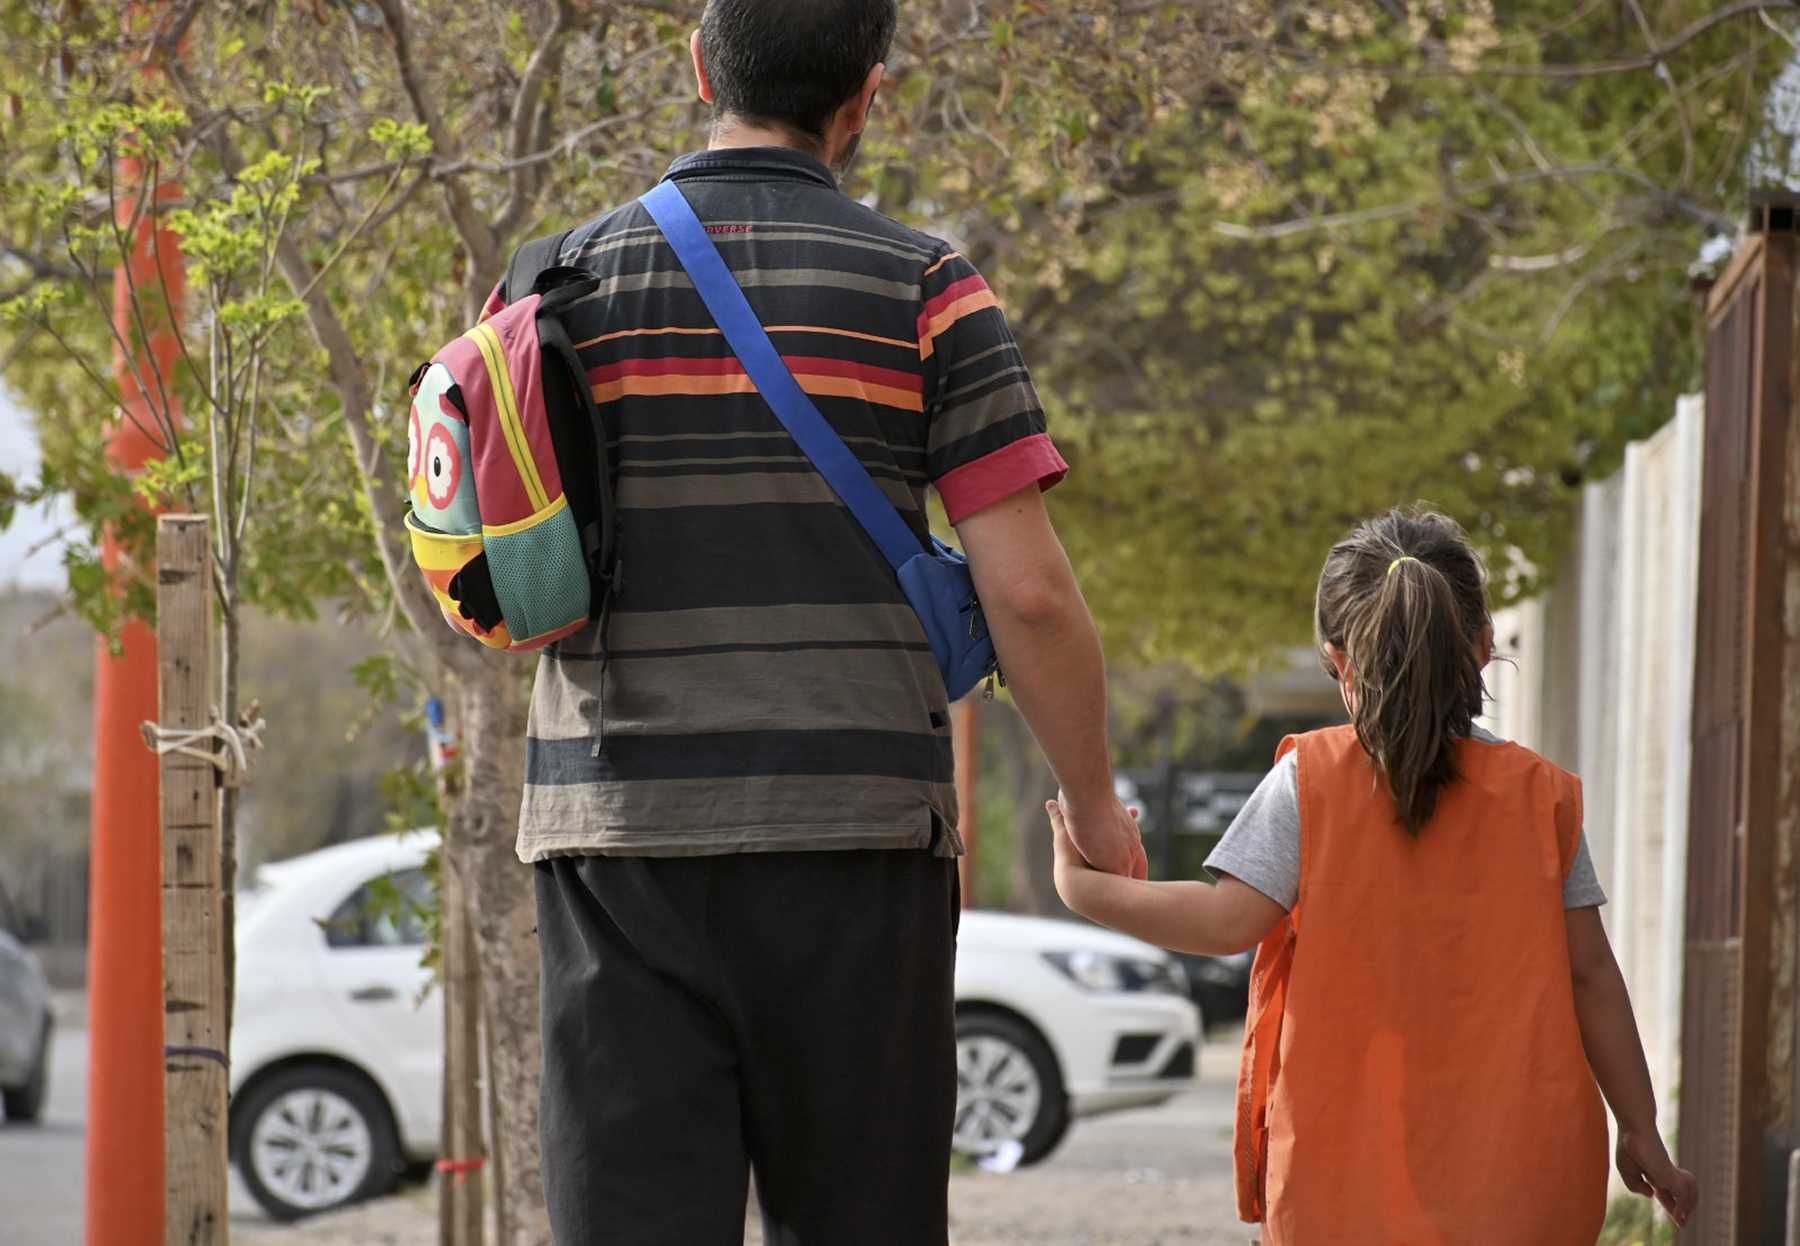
(234, 761)
(459, 1169)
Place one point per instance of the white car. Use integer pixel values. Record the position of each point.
(24, 1022)
(337, 1054)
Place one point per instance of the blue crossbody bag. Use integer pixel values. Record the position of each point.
(937, 582)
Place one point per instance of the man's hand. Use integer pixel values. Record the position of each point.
(1105, 834)
(1645, 1164)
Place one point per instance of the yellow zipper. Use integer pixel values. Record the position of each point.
(507, 401)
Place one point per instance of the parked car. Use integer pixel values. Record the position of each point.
(1219, 985)
(337, 1054)
(24, 1021)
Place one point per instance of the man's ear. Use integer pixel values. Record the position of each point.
(855, 113)
(701, 81)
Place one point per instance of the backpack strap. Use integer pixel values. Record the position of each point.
(749, 341)
(530, 261)
(600, 537)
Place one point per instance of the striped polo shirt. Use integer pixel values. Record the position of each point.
(764, 685)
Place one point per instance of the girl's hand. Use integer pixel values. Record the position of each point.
(1105, 834)
(1070, 864)
(1068, 856)
(1645, 1164)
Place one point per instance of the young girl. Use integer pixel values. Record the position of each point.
(1434, 996)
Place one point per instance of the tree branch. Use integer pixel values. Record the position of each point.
(1584, 69)
(477, 235)
(1329, 220)
(528, 100)
(167, 42)
(39, 267)
(351, 381)
(564, 146)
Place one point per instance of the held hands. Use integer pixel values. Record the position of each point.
(1071, 868)
(1103, 837)
(1648, 1170)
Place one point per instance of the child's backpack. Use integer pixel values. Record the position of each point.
(512, 518)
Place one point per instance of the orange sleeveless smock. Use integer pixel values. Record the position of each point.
(1413, 1073)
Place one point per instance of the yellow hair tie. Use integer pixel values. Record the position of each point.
(1399, 560)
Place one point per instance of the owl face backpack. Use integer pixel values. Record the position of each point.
(513, 521)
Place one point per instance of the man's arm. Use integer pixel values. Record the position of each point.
(1050, 652)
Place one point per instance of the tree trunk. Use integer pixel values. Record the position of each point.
(481, 836)
(230, 656)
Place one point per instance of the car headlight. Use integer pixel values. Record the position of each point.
(1102, 971)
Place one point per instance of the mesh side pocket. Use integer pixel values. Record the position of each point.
(539, 576)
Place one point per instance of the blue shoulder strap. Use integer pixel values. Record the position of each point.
(744, 333)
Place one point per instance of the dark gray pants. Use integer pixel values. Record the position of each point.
(789, 1014)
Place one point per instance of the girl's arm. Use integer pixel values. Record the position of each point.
(1183, 917)
(1609, 1034)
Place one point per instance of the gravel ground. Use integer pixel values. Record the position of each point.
(1156, 1177)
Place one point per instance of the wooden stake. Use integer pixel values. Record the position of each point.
(195, 1072)
(460, 1177)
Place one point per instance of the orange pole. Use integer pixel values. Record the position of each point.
(125, 987)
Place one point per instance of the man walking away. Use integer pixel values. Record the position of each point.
(739, 798)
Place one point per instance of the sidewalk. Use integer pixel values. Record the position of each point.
(1154, 1177)
(405, 1219)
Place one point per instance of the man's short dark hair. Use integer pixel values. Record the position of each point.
(792, 62)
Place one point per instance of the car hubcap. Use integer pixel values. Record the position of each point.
(311, 1149)
(997, 1094)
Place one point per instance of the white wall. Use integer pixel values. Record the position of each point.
(1623, 608)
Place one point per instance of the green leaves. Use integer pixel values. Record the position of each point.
(165, 481)
(106, 130)
(1316, 291)
(299, 98)
(400, 140)
(1271, 270)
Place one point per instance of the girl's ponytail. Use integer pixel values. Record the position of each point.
(1401, 598)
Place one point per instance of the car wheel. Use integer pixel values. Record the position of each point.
(1008, 1089)
(311, 1138)
(24, 1103)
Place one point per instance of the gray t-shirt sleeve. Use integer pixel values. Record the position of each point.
(1262, 845)
(1582, 889)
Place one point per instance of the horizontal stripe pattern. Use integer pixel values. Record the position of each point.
(739, 755)
(818, 376)
(801, 687)
(680, 817)
(763, 679)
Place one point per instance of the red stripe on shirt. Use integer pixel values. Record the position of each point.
(807, 365)
(972, 284)
(977, 485)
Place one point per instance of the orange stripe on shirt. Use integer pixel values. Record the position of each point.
(737, 383)
(967, 305)
(774, 328)
(954, 255)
